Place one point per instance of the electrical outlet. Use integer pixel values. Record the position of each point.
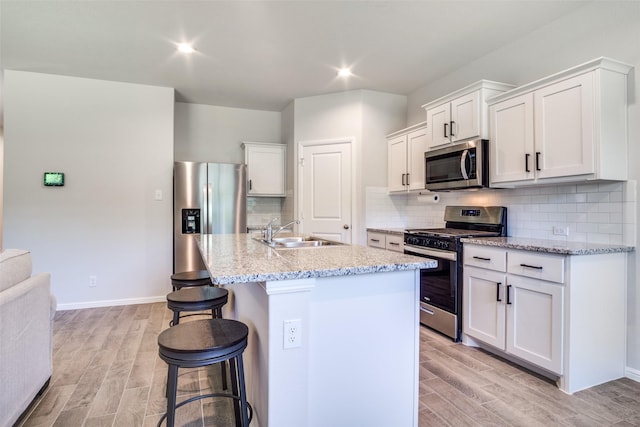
(560, 231)
(93, 281)
(292, 333)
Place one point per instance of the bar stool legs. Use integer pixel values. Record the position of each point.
(203, 343)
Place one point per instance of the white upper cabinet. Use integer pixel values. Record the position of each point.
(265, 168)
(569, 127)
(405, 159)
(461, 115)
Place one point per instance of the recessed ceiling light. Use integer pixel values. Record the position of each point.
(185, 48)
(344, 72)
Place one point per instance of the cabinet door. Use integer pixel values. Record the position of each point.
(511, 142)
(376, 240)
(564, 128)
(417, 145)
(483, 312)
(397, 164)
(266, 169)
(394, 242)
(438, 122)
(465, 117)
(535, 322)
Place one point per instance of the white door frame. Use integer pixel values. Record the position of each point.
(343, 140)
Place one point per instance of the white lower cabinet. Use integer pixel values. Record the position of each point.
(386, 240)
(561, 313)
(537, 341)
(519, 315)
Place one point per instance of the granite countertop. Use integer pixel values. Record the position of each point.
(238, 258)
(387, 230)
(549, 246)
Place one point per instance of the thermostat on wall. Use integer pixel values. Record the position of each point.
(54, 179)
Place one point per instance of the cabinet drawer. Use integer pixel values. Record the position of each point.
(376, 240)
(395, 242)
(485, 257)
(536, 265)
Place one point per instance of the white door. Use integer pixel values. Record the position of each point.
(564, 127)
(416, 147)
(438, 122)
(397, 164)
(325, 199)
(465, 117)
(535, 322)
(483, 306)
(511, 140)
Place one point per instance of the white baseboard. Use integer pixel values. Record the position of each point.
(633, 374)
(109, 303)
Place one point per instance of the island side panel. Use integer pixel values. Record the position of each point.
(364, 350)
(248, 303)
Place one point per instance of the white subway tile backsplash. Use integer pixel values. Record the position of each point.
(577, 198)
(593, 212)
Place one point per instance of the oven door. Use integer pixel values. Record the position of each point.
(459, 166)
(438, 290)
(438, 286)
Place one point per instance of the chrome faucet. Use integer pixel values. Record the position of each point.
(270, 234)
(267, 233)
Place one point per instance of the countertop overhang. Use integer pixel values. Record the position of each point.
(238, 258)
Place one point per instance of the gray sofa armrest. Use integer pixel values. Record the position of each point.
(25, 344)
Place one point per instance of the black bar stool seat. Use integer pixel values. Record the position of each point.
(190, 278)
(197, 299)
(202, 343)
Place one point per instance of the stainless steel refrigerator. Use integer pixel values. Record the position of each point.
(208, 198)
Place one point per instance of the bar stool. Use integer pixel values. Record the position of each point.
(202, 343)
(197, 299)
(190, 278)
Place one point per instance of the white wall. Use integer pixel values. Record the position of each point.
(114, 142)
(609, 29)
(214, 134)
(1, 182)
(365, 116)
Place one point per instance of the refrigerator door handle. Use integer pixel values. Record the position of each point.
(206, 221)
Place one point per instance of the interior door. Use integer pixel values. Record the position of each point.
(325, 200)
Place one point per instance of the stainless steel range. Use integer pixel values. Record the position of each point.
(441, 287)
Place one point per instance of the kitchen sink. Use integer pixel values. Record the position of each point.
(293, 242)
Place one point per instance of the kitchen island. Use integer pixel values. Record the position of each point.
(333, 330)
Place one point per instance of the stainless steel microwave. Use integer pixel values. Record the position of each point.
(460, 166)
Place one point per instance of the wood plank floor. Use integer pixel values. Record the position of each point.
(107, 373)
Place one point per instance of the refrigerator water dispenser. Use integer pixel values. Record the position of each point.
(190, 221)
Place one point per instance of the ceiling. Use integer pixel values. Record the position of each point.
(263, 54)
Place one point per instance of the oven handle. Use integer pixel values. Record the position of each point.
(429, 252)
(463, 164)
(426, 310)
